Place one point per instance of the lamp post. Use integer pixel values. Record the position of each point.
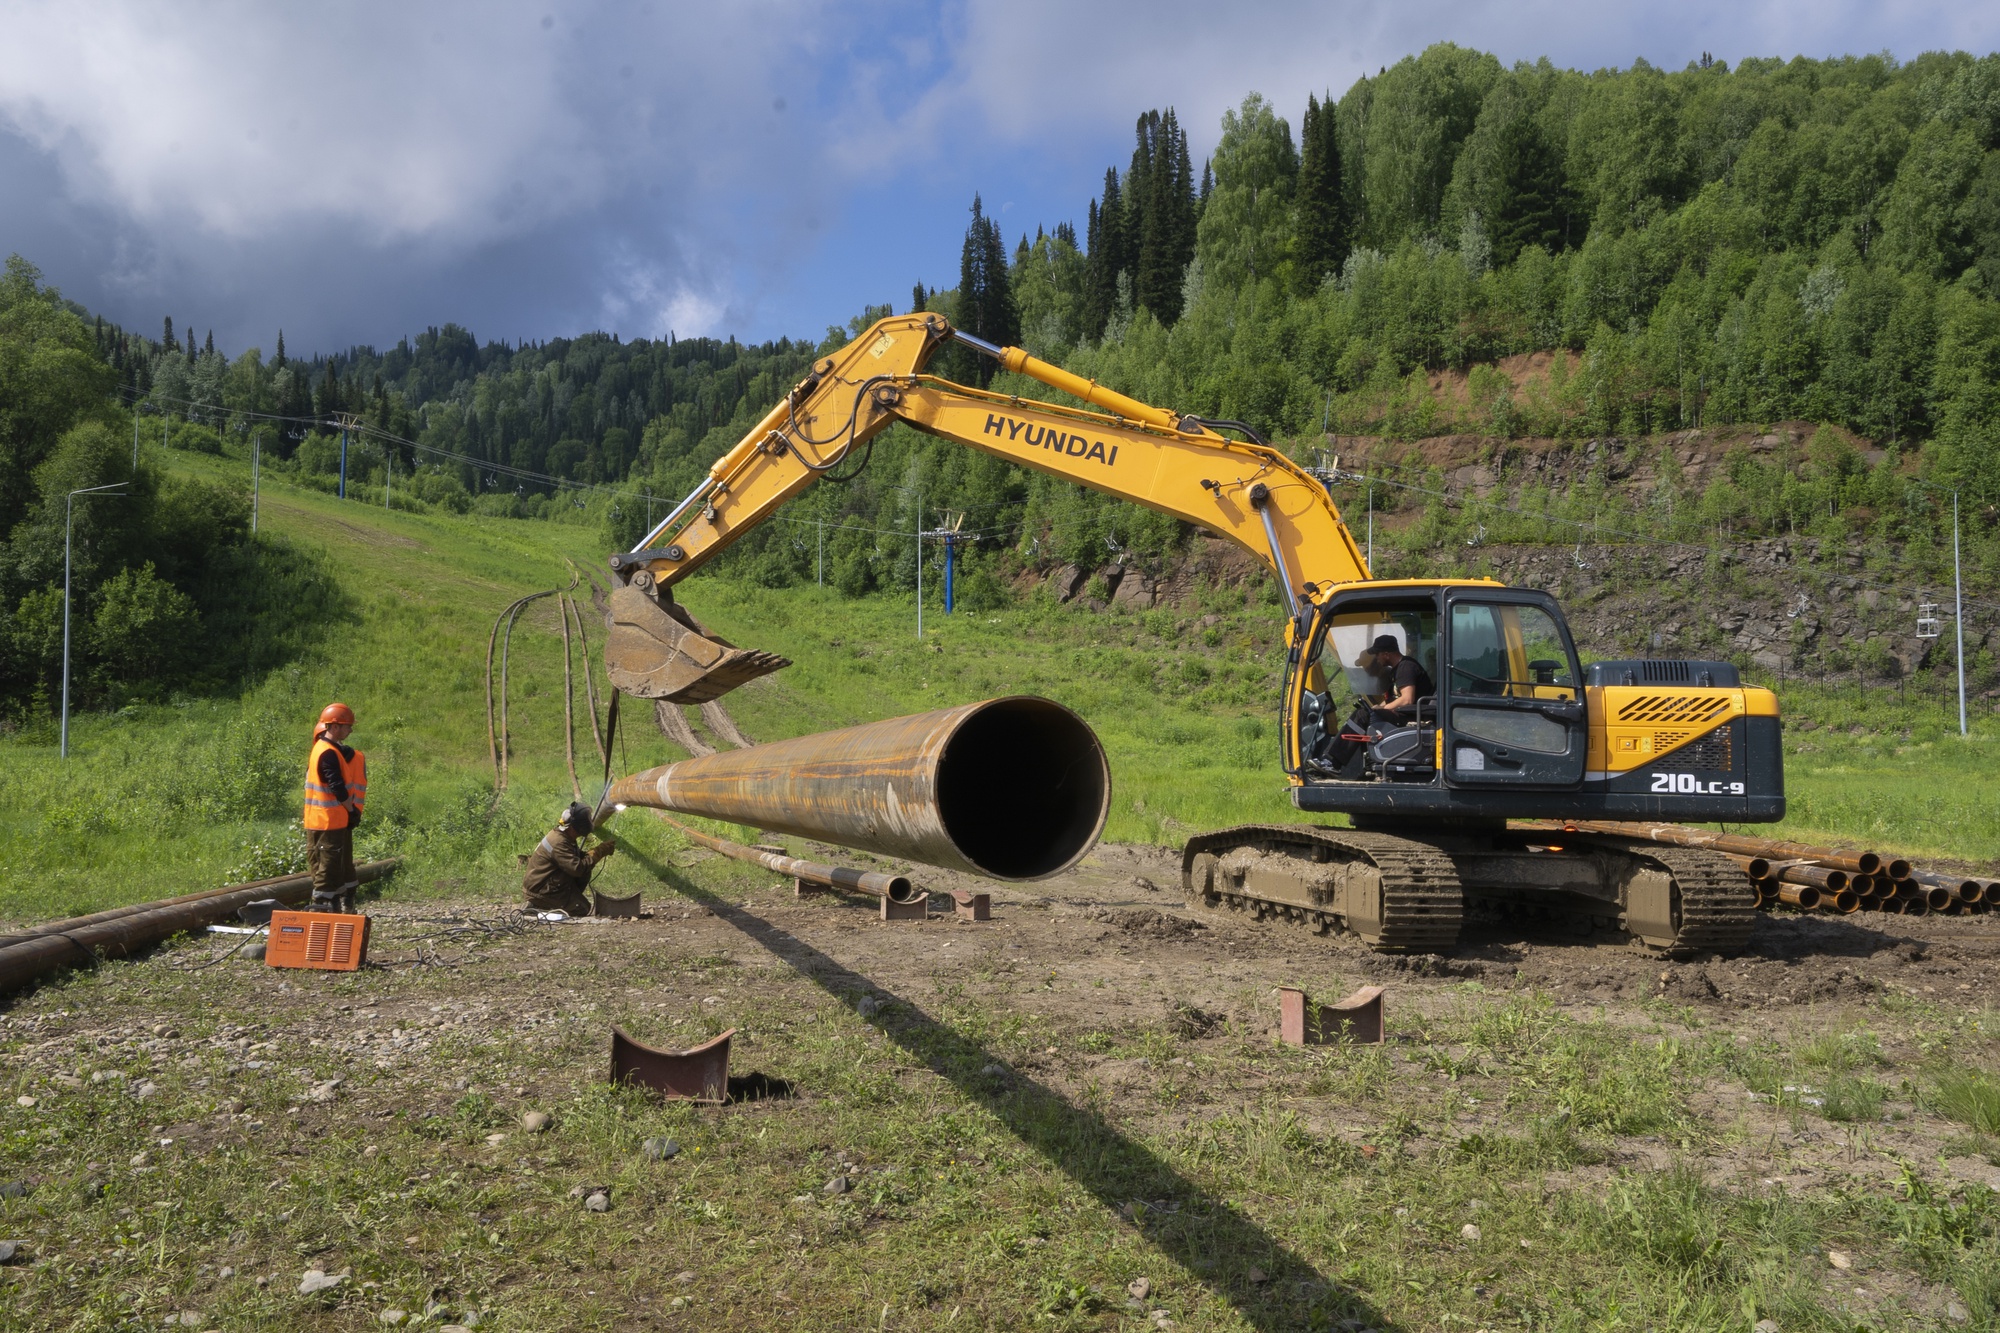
(1958, 611)
(69, 515)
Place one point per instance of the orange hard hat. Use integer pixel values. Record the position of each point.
(336, 715)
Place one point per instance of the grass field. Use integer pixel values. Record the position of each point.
(195, 792)
(996, 1127)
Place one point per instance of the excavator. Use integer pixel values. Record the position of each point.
(1516, 726)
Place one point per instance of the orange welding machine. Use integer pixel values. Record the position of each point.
(328, 941)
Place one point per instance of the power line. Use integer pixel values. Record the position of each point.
(480, 464)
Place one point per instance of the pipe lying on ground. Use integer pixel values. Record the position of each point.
(1756, 867)
(1843, 901)
(85, 940)
(1960, 887)
(1799, 895)
(896, 888)
(1820, 877)
(1681, 835)
(113, 914)
(1015, 788)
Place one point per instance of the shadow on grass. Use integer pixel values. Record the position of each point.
(1214, 1244)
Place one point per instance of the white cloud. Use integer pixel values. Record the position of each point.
(671, 165)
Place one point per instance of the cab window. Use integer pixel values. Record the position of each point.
(1500, 650)
(1343, 653)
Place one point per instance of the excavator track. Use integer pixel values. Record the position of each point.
(1411, 895)
(1715, 913)
(1414, 903)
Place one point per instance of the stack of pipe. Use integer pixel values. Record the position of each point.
(81, 941)
(1824, 879)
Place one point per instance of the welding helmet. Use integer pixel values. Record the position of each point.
(575, 819)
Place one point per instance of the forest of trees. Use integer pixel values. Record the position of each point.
(1708, 247)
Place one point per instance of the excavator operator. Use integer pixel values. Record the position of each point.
(1404, 682)
(1406, 679)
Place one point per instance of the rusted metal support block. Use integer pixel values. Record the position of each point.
(1358, 1018)
(603, 906)
(916, 909)
(698, 1075)
(972, 906)
(805, 888)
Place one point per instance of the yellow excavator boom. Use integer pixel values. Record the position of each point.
(1182, 465)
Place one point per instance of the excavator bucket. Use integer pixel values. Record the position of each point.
(656, 650)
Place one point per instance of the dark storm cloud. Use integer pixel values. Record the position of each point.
(354, 172)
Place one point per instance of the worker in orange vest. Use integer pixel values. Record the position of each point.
(336, 789)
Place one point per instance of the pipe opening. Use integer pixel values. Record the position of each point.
(1023, 788)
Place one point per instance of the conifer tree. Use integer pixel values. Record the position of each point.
(278, 362)
(208, 344)
(918, 298)
(985, 296)
(1323, 230)
(1160, 202)
(1109, 255)
(168, 342)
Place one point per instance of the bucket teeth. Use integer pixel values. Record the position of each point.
(658, 652)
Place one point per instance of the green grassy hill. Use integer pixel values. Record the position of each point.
(168, 798)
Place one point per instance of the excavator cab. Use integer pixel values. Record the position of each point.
(1514, 726)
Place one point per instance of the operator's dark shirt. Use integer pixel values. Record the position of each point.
(1410, 672)
(330, 777)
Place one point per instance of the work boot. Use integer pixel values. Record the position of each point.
(324, 900)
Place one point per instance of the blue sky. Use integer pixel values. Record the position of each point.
(355, 172)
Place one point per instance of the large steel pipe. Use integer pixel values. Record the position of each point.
(85, 940)
(1014, 788)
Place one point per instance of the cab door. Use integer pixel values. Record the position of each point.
(1511, 702)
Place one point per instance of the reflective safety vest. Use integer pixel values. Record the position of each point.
(322, 810)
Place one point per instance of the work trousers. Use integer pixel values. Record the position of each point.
(563, 896)
(330, 853)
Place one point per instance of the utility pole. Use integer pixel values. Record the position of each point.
(388, 473)
(69, 516)
(135, 439)
(348, 423)
(1958, 609)
(920, 566)
(822, 553)
(256, 468)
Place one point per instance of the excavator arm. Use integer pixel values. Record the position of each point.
(1244, 490)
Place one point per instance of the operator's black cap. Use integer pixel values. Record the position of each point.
(1386, 644)
(576, 818)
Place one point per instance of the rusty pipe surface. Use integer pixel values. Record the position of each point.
(1866, 863)
(1799, 895)
(1843, 901)
(85, 941)
(1820, 877)
(1756, 867)
(896, 888)
(1965, 889)
(1015, 788)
